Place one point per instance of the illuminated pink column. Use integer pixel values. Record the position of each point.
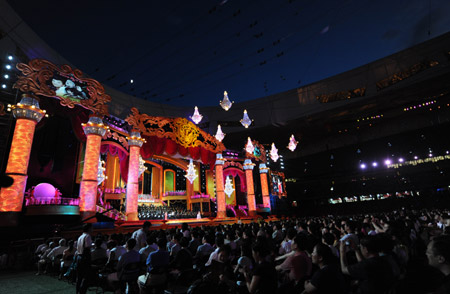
(94, 130)
(263, 170)
(248, 167)
(28, 114)
(135, 142)
(221, 202)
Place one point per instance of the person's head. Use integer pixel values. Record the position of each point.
(87, 228)
(131, 243)
(259, 251)
(62, 242)
(350, 227)
(184, 227)
(438, 252)
(208, 238)
(291, 232)
(369, 246)
(224, 253)
(322, 254)
(98, 243)
(328, 239)
(111, 244)
(220, 240)
(184, 242)
(300, 243)
(161, 242)
(177, 237)
(52, 245)
(71, 243)
(146, 226)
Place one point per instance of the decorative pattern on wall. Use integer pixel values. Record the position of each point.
(41, 77)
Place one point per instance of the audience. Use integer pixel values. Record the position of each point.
(352, 254)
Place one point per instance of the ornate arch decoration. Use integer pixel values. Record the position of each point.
(259, 153)
(113, 136)
(41, 77)
(235, 172)
(180, 130)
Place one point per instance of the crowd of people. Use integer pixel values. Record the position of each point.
(397, 252)
(147, 212)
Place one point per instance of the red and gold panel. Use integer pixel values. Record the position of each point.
(180, 130)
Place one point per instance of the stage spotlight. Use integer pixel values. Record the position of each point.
(3, 86)
(8, 66)
(387, 162)
(362, 166)
(6, 76)
(10, 57)
(416, 157)
(374, 164)
(400, 160)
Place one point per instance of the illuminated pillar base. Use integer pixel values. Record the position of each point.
(12, 197)
(221, 214)
(266, 201)
(88, 196)
(132, 189)
(252, 213)
(132, 216)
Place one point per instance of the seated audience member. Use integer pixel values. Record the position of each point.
(194, 242)
(117, 251)
(204, 250)
(58, 250)
(183, 258)
(297, 267)
(126, 272)
(157, 266)
(374, 273)
(67, 257)
(98, 253)
(287, 242)
(175, 245)
(41, 248)
(145, 251)
(264, 278)
(329, 278)
(45, 260)
(329, 239)
(438, 255)
(220, 241)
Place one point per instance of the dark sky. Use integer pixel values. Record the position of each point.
(188, 52)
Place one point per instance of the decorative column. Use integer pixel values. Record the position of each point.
(94, 130)
(263, 170)
(248, 167)
(221, 201)
(135, 142)
(28, 114)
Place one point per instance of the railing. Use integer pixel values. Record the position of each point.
(199, 196)
(52, 201)
(175, 193)
(116, 190)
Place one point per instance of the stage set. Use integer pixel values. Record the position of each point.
(69, 156)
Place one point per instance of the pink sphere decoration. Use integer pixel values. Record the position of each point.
(44, 190)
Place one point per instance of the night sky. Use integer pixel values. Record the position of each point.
(188, 52)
